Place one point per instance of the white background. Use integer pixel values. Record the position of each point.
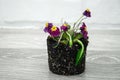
(103, 11)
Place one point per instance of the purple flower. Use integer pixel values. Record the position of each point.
(84, 32)
(83, 27)
(64, 27)
(54, 31)
(87, 13)
(48, 27)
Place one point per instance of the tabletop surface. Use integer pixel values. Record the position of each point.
(23, 56)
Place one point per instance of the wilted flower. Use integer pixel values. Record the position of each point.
(48, 27)
(64, 27)
(54, 31)
(87, 13)
(84, 32)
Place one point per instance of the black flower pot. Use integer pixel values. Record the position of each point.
(61, 59)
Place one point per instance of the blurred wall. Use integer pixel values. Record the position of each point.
(103, 11)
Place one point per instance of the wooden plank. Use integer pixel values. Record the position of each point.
(31, 64)
(23, 56)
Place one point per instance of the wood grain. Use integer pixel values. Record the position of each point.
(32, 64)
(23, 56)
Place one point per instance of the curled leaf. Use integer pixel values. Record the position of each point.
(80, 51)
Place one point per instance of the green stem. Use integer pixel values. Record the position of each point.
(79, 24)
(59, 39)
(81, 21)
(77, 21)
(80, 52)
(70, 39)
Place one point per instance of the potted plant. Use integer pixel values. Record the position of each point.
(67, 46)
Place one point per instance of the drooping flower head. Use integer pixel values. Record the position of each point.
(48, 26)
(87, 13)
(83, 29)
(64, 27)
(85, 34)
(54, 31)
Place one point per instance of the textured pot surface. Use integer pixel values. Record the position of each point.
(62, 58)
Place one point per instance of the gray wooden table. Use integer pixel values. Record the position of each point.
(23, 56)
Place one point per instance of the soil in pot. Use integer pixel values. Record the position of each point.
(61, 59)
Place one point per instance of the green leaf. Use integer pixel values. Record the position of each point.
(65, 36)
(78, 36)
(69, 27)
(71, 32)
(64, 42)
(80, 51)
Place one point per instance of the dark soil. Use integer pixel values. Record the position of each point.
(62, 58)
